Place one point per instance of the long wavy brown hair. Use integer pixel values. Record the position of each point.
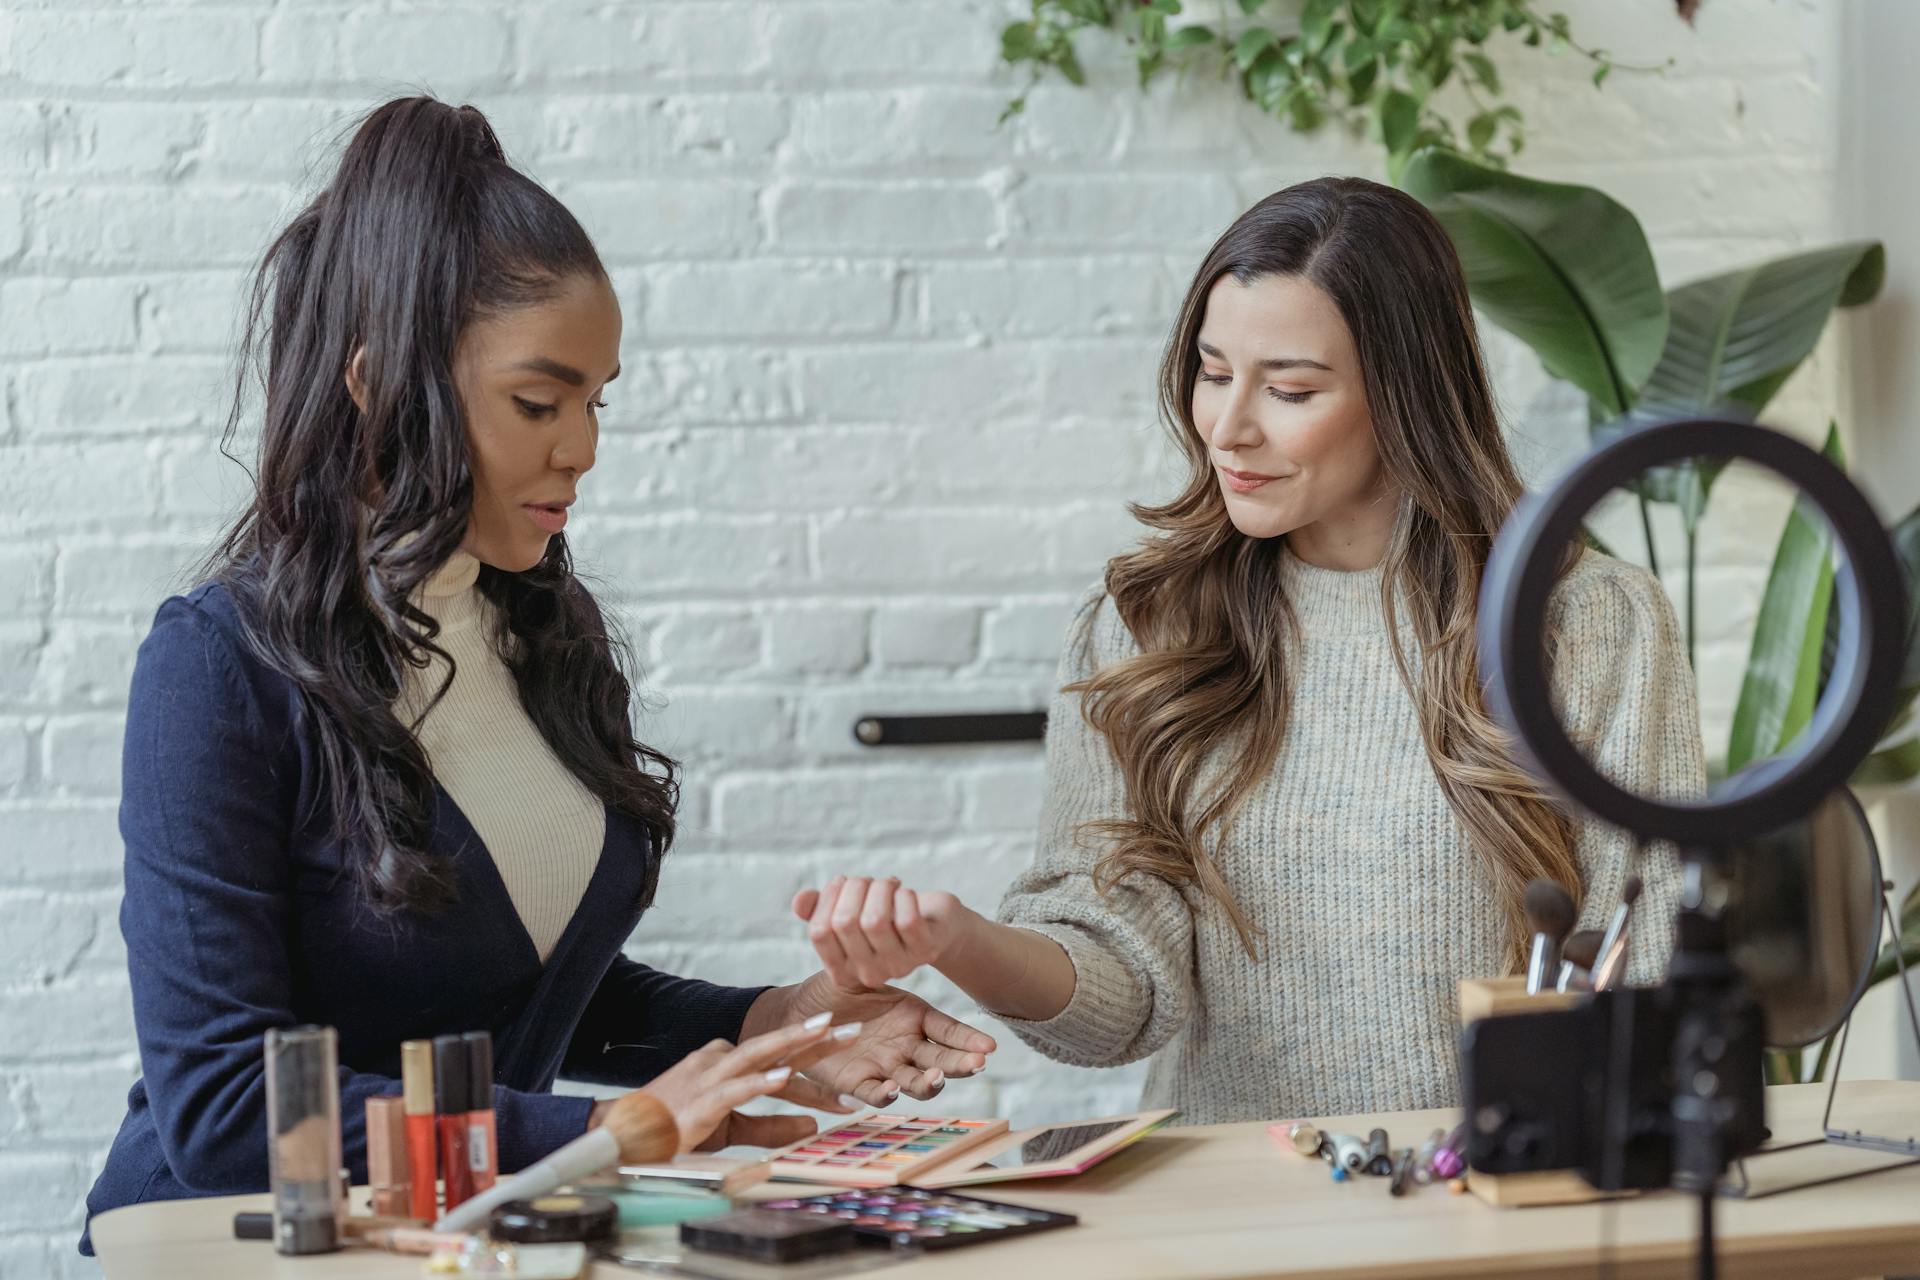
(1204, 602)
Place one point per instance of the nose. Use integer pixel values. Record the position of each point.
(574, 449)
(1236, 427)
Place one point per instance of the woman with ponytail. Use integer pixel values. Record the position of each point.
(380, 771)
(1279, 824)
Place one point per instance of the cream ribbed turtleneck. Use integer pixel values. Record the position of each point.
(542, 826)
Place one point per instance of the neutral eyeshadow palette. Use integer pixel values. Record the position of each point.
(882, 1150)
(913, 1218)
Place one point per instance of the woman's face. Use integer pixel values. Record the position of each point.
(1282, 407)
(530, 382)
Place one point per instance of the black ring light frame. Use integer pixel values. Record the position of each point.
(1851, 715)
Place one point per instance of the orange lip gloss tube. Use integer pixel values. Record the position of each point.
(416, 1081)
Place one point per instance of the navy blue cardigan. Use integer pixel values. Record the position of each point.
(240, 915)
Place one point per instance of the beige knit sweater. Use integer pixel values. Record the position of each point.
(1348, 857)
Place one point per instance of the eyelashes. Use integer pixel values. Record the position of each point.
(1286, 397)
(536, 410)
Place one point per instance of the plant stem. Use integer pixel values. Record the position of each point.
(1646, 527)
(1693, 567)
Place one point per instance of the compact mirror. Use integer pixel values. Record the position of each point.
(1803, 918)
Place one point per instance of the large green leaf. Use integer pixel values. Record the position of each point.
(1900, 761)
(1782, 679)
(1734, 338)
(1565, 269)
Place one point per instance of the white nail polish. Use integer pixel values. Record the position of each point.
(779, 1075)
(845, 1032)
(817, 1021)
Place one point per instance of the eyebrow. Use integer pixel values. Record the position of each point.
(1275, 363)
(554, 369)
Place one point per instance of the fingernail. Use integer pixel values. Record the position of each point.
(936, 1077)
(893, 1091)
(779, 1075)
(817, 1021)
(852, 1103)
(846, 1031)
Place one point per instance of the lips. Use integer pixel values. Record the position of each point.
(550, 516)
(1245, 481)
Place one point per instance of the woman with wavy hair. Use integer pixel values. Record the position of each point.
(380, 769)
(1278, 823)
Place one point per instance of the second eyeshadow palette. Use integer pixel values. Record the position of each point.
(881, 1150)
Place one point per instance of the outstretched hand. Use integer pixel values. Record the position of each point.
(905, 1045)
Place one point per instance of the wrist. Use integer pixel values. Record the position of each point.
(969, 933)
(770, 1010)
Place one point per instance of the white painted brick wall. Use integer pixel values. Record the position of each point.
(889, 380)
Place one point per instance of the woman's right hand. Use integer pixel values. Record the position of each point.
(703, 1088)
(869, 932)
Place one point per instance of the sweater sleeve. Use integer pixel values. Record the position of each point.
(641, 1021)
(205, 813)
(1625, 691)
(1132, 947)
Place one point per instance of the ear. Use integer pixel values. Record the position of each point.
(356, 378)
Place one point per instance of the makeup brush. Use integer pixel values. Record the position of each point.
(1611, 964)
(637, 1129)
(1576, 960)
(1549, 910)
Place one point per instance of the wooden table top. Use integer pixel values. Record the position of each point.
(1226, 1201)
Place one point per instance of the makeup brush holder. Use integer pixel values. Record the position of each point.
(1507, 998)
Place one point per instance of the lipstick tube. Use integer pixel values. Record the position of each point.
(303, 1138)
(483, 1157)
(388, 1176)
(452, 1096)
(423, 1165)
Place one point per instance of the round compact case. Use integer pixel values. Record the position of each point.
(559, 1219)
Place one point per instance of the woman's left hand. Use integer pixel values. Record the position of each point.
(905, 1045)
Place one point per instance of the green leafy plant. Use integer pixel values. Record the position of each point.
(1372, 65)
(1567, 270)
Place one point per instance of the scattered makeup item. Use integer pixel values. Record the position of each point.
(1347, 1152)
(764, 1235)
(1379, 1158)
(303, 1138)
(558, 1219)
(416, 1093)
(1423, 1164)
(388, 1176)
(1610, 966)
(1457, 1186)
(915, 1218)
(483, 1151)
(637, 1134)
(1447, 1160)
(451, 1097)
(414, 1240)
(1550, 916)
(664, 1208)
(1304, 1138)
(882, 1150)
(258, 1225)
(478, 1255)
(1049, 1151)
(1402, 1172)
(722, 1175)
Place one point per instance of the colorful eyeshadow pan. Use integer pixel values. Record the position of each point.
(912, 1219)
(882, 1150)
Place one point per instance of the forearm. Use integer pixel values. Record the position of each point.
(1009, 971)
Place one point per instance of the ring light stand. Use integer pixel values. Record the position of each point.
(1673, 1073)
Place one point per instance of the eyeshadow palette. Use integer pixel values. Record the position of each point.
(881, 1150)
(913, 1218)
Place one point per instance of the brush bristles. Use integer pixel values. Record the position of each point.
(1549, 909)
(1583, 948)
(644, 1127)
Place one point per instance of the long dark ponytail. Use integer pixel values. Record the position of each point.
(424, 228)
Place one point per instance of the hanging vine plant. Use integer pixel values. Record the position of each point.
(1371, 65)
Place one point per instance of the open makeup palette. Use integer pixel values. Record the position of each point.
(882, 1150)
(933, 1151)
